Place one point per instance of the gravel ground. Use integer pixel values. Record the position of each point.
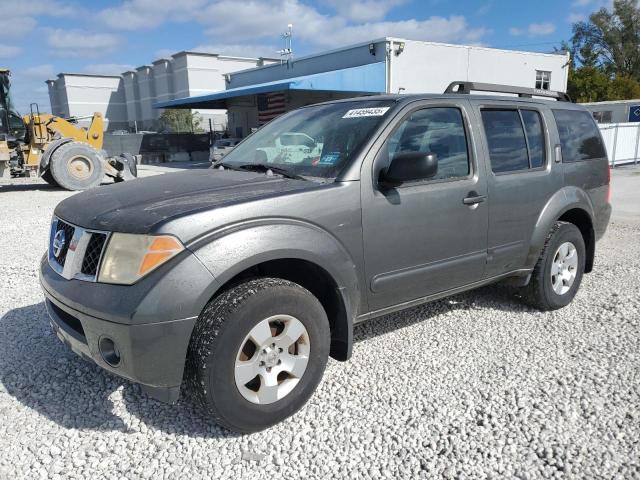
(475, 386)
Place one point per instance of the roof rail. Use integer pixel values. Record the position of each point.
(468, 87)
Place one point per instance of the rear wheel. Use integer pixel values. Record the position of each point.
(77, 166)
(557, 275)
(257, 353)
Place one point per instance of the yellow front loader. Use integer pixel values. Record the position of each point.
(59, 151)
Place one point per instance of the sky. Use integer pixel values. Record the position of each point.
(41, 38)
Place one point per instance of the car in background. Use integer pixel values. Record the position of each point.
(221, 147)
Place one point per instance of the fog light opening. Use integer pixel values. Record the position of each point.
(109, 351)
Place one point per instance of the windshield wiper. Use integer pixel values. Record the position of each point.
(262, 167)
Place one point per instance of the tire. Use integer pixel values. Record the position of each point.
(47, 177)
(216, 348)
(540, 293)
(77, 166)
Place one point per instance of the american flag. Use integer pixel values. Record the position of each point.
(270, 106)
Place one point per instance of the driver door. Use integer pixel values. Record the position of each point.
(426, 236)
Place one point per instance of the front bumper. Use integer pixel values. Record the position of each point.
(152, 353)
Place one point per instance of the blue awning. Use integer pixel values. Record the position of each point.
(370, 78)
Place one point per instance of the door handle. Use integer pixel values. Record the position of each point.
(474, 200)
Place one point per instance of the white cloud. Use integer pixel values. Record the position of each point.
(545, 28)
(364, 10)
(80, 43)
(108, 68)
(233, 23)
(8, 51)
(19, 19)
(254, 20)
(16, 26)
(50, 8)
(534, 30)
(149, 14)
(44, 71)
(485, 7)
(576, 17)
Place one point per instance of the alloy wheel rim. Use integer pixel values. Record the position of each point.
(564, 268)
(272, 359)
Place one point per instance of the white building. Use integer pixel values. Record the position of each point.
(127, 100)
(618, 111)
(386, 65)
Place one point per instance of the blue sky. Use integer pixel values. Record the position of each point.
(42, 38)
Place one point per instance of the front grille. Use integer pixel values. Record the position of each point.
(92, 256)
(78, 253)
(69, 230)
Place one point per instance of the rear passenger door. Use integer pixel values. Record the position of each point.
(520, 178)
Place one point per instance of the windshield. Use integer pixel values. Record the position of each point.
(317, 141)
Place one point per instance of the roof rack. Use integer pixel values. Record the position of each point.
(468, 87)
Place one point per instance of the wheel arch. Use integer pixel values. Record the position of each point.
(301, 253)
(572, 205)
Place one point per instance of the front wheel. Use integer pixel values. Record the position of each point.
(557, 275)
(257, 353)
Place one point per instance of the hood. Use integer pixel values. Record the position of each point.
(142, 205)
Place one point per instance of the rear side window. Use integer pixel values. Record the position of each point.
(515, 139)
(535, 137)
(505, 136)
(579, 136)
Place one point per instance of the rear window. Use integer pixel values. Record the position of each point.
(579, 136)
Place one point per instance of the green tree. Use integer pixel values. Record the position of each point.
(178, 120)
(610, 40)
(624, 88)
(588, 84)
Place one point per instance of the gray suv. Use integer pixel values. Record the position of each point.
(238, 282)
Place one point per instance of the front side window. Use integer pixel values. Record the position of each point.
(315, 141)
(543, 80)
(579, 136)
(438, 130)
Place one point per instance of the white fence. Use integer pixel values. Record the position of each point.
(622, 141)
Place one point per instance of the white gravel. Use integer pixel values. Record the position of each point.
(476, 386)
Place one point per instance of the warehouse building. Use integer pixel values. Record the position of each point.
(387, 65)
(619, 111)
(126, 101)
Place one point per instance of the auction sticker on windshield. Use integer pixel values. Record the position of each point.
(366, 112)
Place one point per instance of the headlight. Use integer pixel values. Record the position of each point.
(130, 257)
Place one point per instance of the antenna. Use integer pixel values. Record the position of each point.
(287, 51)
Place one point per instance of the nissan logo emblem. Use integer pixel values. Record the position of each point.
(59, 241)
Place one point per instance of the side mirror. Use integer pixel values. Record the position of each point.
(408, 166)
